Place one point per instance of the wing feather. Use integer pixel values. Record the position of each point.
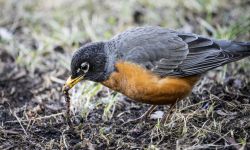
(168, 52)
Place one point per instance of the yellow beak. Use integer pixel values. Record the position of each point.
(71, 82)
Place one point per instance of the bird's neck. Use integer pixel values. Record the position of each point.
(111, 58)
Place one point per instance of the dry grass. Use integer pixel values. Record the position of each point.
(37, 39)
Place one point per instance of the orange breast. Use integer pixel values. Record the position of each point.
(142, 85)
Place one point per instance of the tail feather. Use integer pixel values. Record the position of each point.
(233, 51)
(245, 45)
(239, 48)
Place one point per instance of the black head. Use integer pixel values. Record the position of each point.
(89, 61)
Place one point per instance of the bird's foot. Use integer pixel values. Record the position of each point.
(144, 117)
(165, 118)
(141, 118)
(167, 115)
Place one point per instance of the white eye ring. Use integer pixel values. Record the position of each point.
(84, 67)
(78, 70)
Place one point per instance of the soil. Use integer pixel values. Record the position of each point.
(32, 116)
(37, 38)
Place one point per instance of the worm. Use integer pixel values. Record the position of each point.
(67, 99)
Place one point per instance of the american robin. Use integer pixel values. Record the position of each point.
(153, 65)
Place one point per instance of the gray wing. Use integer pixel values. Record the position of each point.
(167, 52)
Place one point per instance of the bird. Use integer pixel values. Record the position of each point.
(153, 64)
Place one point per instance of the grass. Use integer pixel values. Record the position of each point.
(35, 28)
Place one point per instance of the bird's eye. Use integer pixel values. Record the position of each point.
(84, 67)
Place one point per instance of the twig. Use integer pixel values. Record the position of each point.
(20, 123)
(8, 131)
(57, 80)
(64, 139)
(38, 118)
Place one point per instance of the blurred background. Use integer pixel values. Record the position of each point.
(30, 29)
(38, 37)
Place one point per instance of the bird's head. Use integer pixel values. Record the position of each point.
(88, 63)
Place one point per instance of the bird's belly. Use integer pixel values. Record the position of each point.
(143, 86)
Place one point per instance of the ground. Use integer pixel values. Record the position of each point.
(37, 39)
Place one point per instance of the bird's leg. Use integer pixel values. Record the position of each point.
(167, 114)
(144, 116)
(147, 113)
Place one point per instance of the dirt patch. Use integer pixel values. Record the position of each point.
(37, 39)
(32, 116)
